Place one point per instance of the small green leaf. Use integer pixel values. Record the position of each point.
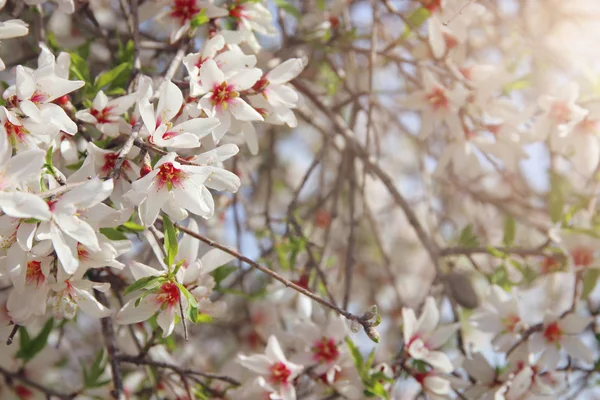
(467, 238)
(79, 67)
(113, 234)
(199, 19)
(108, 78)
(589, 282)
(132, 226)
(142, 283)
(171, 245)
(288, 8)
(34, 346)
(357, 356)
(221, 273)
(510, 231)
(556, 197)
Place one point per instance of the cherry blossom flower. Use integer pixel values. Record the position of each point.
(175, 188)
(222, 98)
(71, 214)
(500, 315)
(278, 373)
(422, 338)
(438, 104)
(14, 172)
(178, 14)
(107, 115)
(560, 114)
(163, 132)
(560, 333)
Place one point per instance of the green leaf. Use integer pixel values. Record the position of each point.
(221, 273)
(321, 5)
(418, 17)
(556, 197)
(357, 356)
(500, 278)
(171, 245)
(132, 226)
(510, 231)
(199, 19)
(75, 166)
(34, 346)
(495, 252)
(288, 8)
(79, 68)
(113, 234)
(467, 238)
(48, 160)
(589, 282)
(92, 377)
(109, 78)
(142, 283)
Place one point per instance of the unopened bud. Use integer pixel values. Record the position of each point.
(462, 289)
(355, 326)
(373, 334)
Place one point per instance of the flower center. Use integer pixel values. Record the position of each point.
(280, 373)
(223, 94)
(38, 97)
(184, 10)
(561, 113)
(237, 12)
(103, 116)
(325, 350)
(22, 392)
(437, 98)
(553, 333)
(169, 175)
(110, 159)
(431, 5)
(34, 274)
(549, 265)
(82, 252)
(169, 294)
(15, 132)
(582, 256)
(510, 323)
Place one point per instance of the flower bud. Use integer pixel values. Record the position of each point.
(373, 334)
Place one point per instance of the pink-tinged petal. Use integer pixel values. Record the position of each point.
(282, 96)
(146, 111)
(573, 324)
(219, 154)
(13, 28)
(166, 320)
(221, 130)
(100, 101)
(130, 314)
(24, 205)
(213, 259)
(479, 368)
(409, 324)
(550, 357)
(139, 270)
(66, 250)
(242, 111)
(25, 83)
(150, 207)
(210, 75)
(189, 197)
(439, 361)
(287, 392)
(245, 79)
(575, 348)
(258, 363)
(25, 235)
(437, 385)
(273, 350)
(169, 102)
(24, 166)
(430, 316)
(53, 87)
(87, 195)
(78, 230)
(198, 126)
(89, 305)
(286, 71)
(441, 335)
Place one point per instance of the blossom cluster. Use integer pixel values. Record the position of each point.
(118, 158)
